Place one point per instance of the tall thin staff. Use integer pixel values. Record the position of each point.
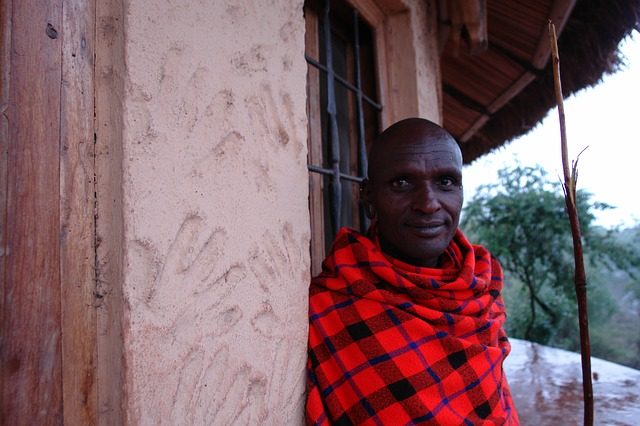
(569, 187)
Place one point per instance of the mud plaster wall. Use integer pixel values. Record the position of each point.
(215, 212)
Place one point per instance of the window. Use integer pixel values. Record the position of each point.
(343, 117)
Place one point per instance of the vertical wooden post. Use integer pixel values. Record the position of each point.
(109, 95)
(5, 76)
(77, 225)
(30, 333)
(316, 180)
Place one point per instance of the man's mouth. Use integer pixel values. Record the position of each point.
(427, 229)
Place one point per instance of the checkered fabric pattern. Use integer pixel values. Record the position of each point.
(395, 344)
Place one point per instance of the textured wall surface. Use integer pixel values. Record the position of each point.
(215, 212)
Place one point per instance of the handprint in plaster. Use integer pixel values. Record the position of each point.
(195, 332)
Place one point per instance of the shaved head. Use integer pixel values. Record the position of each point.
(410, 131)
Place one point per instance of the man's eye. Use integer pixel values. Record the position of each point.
(448, 181)
(399, 183)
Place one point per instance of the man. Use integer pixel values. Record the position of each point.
(406, 323)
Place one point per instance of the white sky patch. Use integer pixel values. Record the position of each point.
(606, 119)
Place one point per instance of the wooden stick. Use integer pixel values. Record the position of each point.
(569, 186)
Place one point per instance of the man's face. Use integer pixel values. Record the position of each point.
(416, 193)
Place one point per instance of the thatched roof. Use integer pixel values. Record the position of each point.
(505, 91)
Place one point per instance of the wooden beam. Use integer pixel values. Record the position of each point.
(401, 72)
(444, 24)
(468, 17)
(30, 349)
(559, 15)
(516, 87)
(314, 145)
(109, 95)
(522, 82)
(369, 11)
(465, 100)
(503, 51)
(77, 193)
(5, 76)
(475, 126)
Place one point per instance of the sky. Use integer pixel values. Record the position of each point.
(604, 120)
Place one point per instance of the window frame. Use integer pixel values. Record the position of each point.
(317, 162)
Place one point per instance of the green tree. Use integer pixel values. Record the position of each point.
(521, 218)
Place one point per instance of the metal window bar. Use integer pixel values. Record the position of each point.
(362, 149)
(330, 172)
(335, 192)
(344, 82)
(334, 142)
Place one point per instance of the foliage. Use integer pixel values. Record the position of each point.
(521, 219)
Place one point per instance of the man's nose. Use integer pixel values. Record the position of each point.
(425, 200)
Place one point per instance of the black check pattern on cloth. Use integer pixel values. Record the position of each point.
(395, 344)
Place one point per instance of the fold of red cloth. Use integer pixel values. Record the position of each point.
(395, 344)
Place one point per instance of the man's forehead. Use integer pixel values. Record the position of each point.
(435, 150)
(414, 142)
(432, 149)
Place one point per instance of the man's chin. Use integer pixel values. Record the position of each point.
(417, 254)
(421, 247)
(426, 249)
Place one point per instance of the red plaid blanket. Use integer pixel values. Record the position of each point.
(395, 344)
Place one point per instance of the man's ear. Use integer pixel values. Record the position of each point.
(365, 199)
